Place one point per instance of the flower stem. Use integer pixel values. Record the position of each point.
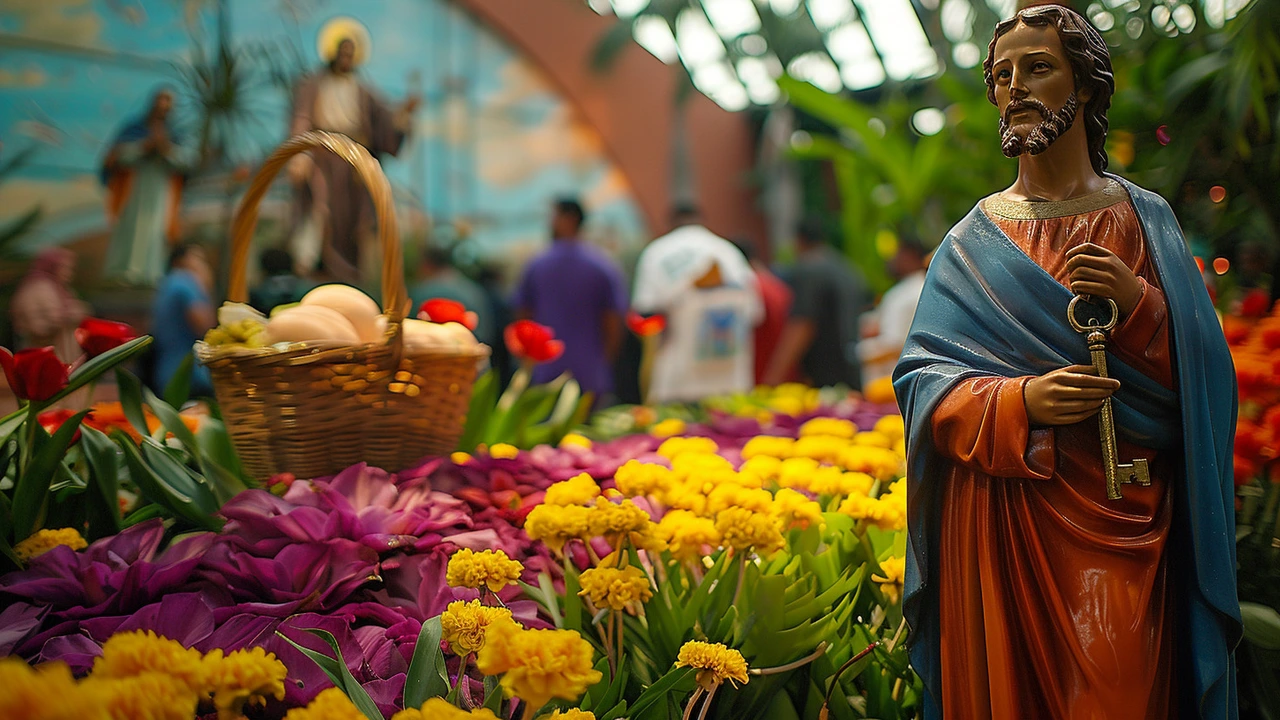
(529, 710)
(617, 614)
(822, 648)
(693, 700)
(706, 702)
(29, 448)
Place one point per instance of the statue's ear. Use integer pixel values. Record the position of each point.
(1084, 94)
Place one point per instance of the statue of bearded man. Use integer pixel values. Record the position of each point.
(1031, 594)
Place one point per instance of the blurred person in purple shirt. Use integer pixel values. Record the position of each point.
(578, 291)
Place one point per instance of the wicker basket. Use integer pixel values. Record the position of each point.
(314, 411)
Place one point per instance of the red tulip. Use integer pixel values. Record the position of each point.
(440, 310)
(528, 340)
(646, 326)
(98, 336)
(35, 374)
(1255, 303)
(51, 420)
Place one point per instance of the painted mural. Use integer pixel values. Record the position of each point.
(491, 144)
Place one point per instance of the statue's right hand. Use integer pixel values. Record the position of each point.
(1067, 395)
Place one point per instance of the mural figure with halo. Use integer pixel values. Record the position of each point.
(333, 213)
(1070, 499)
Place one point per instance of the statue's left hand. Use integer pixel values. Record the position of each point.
(1096, 271)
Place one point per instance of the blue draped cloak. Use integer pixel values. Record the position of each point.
(988, 309)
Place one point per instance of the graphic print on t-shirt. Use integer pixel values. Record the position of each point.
(718, 332)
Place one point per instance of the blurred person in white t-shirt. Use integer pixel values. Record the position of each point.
(885, 329)
(706, 289)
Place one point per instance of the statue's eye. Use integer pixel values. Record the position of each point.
(1041, 66)
(1003, 75)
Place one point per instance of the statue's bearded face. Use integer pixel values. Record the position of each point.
(1035, 89)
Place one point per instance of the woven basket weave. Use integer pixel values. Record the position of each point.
(314, 411)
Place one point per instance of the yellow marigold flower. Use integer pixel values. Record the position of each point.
(438, 709)
(880, 391)
(797, 472)
(45, 540)
(503, 451)
(764, 467)
(129, 654)
(742, 529)
(580, 489)
(714, 662)
(330, 704)
(841, 483)
(490, 569)
(460, 458)
(900, 448)
(899, 487)
(555, 525)
(46, 693)
(823, 448)
(465, 623)
(683, 497)
(618, 589)
(612, 520)
(699, 464)
(873, 439)
(885, 512)
(768, 446)
(686, 534)
(537, 665)
(895, 571)
(792, 509)
(730, 495)
(891, 426)
(668, 428)
(879, 463)
(149, 695)
(787, 405)
(572, 714)
(833, 427)
(242, 678)
(676, 446)
(575, 440)
(637, 479)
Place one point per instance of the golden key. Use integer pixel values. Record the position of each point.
(1095, 332)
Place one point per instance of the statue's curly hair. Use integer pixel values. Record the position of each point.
(1090, 63)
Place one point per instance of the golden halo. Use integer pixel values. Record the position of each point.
(340, 28)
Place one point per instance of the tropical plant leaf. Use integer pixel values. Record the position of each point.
(337, 671)
(31, 491)
(130, 391)
(159, 488)
(427, 677)
(102, 505)
(178, 390)
(484, 396)
(95, 367)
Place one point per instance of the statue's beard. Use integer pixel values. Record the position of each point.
(1042, 135)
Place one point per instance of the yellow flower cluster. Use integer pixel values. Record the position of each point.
(878, 462)
(668, 428)
(795, 510)
(791, 398)
(575, 440)
(555, 525)
(580, 489)
(464, 624)
(503, 451)
(714, 662)
(768, 446)
(438, 709)
(743, 530)
(537, 665)
(637, 479)
(330, 704)
(895, 571)
(572, 715)
(889, 511)
(826, 426)
(141, 675)
(614, 588)
(673, 447)
(686, 534)
(45, 540)
(490, 569)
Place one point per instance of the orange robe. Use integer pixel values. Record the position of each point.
(1054, 601)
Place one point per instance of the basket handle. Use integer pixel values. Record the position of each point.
(369, 169)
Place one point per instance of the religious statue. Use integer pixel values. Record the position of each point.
(333, 211)
(144, 173)
(1070, 499)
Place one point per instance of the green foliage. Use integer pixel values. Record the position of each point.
(335, 668)
(526, 414)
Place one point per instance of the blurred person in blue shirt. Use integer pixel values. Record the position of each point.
(181, 313)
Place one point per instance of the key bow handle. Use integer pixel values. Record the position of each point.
(1092, 324)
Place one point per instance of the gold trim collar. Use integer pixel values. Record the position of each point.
(1110, 195)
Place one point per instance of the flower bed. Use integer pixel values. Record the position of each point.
(756, 510)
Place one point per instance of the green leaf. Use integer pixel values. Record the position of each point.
(159, 487)
(1261, 625)
(427, 677)
(669, 684)
(178, 391)
(337, 671)
(150, 511)
(95, 367)
(31, 492)
(104, 465)
(171, 421)
(483, 398)
(10, 423)
(130, 390)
